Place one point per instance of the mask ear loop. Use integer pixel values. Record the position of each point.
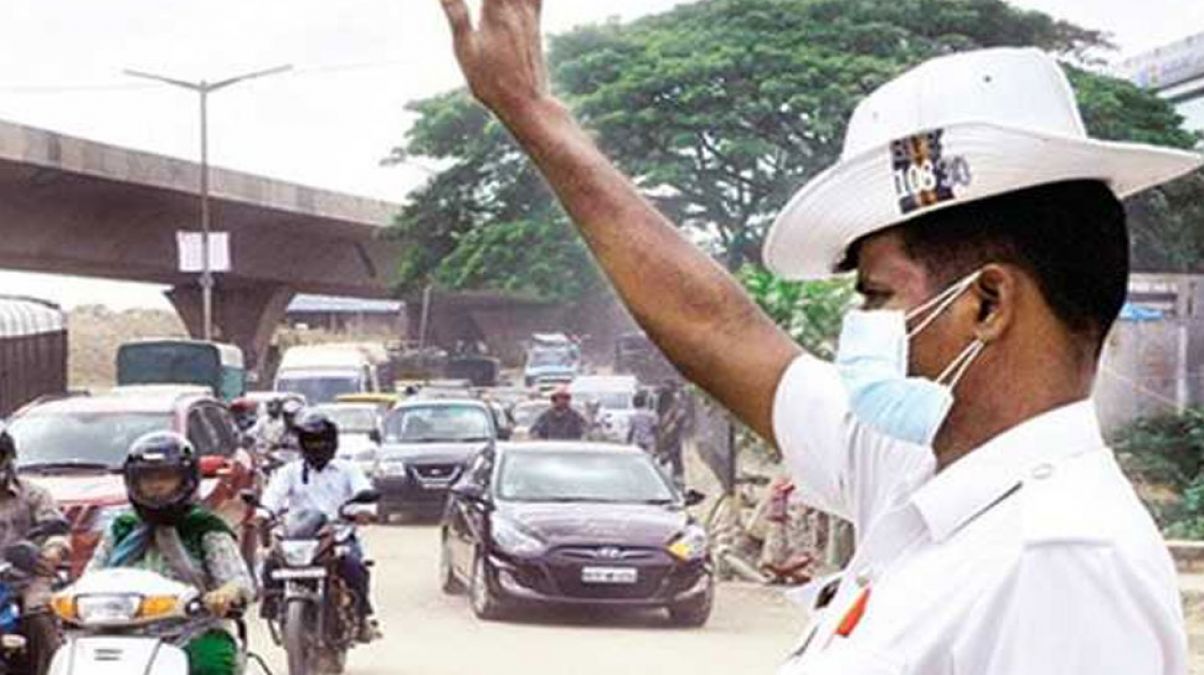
(939, 303)
(958, 367)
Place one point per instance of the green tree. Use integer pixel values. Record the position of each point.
(719, 110)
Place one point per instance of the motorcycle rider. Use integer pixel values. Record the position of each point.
(560, 422)
(322, 483)
(22, 506)
(168, 533)
(269, 429)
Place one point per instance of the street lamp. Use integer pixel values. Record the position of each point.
(204, 89)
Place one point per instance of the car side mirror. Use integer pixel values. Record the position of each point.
(694, 497)
(374, 436)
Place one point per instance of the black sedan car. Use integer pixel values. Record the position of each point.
(427, 445)
(574, 523)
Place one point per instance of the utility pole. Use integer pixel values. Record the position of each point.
(204, 88)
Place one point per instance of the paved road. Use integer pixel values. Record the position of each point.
(429, 633)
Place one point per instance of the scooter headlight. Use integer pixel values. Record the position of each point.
(112, 608)
(300, 552)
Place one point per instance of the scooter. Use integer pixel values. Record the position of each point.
(132, 621)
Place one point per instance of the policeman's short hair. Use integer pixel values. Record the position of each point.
(1070, 237)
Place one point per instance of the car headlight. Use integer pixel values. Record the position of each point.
(691, 544)
(392, 467)
(103, 517)
(299, 552)
(512, 540)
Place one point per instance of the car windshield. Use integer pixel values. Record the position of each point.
(81, 438)
(319, 389)
(581, 476)
(525, 415)
(543, 358)
(606, 400)
(351, 420)
(438, 423)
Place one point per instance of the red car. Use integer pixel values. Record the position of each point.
(75, 447)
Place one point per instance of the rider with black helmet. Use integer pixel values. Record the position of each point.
(23, 506)
(320, 482)
(170, 534)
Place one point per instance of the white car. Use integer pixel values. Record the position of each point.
(359, 432)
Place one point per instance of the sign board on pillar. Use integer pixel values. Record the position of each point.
(190, 250)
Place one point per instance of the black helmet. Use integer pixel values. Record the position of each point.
(318, 437)
(158, 455)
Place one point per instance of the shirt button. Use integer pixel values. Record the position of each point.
(1043, 471)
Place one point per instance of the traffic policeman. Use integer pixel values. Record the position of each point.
(995, 532)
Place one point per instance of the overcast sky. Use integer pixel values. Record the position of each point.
(330, 121)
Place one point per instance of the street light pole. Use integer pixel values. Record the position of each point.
(204, 88)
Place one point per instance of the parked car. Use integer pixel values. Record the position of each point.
(359, 432)
(574, 523)
(75, 447)
(426, 445)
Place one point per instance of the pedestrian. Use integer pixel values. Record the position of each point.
(560, 422)
(642, 428)
(995, 532)
(671, 408)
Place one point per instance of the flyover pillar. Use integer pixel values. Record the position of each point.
(246, 316)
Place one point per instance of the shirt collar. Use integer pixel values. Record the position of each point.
(976, 481)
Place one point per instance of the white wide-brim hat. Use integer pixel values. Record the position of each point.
(950, 131)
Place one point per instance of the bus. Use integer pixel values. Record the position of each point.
(176, 361)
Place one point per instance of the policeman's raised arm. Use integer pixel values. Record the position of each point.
(695, 311)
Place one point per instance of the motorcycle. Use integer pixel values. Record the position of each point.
(312, 611)
(132, 621)
(17, 572)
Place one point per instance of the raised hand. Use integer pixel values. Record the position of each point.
(502, 55)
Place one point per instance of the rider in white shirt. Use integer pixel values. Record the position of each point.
(322, 483)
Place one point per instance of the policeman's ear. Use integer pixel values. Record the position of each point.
(996, 291)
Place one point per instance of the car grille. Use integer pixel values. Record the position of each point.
(565, 565)
(437, 472)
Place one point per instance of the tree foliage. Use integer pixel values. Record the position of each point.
(719, 109)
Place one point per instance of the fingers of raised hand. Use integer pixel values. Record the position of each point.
(458, 17)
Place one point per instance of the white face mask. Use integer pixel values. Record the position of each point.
(872, 360)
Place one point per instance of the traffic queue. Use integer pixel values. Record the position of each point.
(148, 523)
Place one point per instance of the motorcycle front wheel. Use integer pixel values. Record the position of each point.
(297, 639)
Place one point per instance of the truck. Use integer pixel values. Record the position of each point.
(552, 358)
(33, 351)
(215, 365)
(322, 373)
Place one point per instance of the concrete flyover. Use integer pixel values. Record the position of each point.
(72, 206)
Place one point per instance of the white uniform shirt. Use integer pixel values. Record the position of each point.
(298, 488)
(1029, 556)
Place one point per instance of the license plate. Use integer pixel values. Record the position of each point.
(609, 575)
(307, 573)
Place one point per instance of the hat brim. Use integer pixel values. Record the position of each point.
(860, 195)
